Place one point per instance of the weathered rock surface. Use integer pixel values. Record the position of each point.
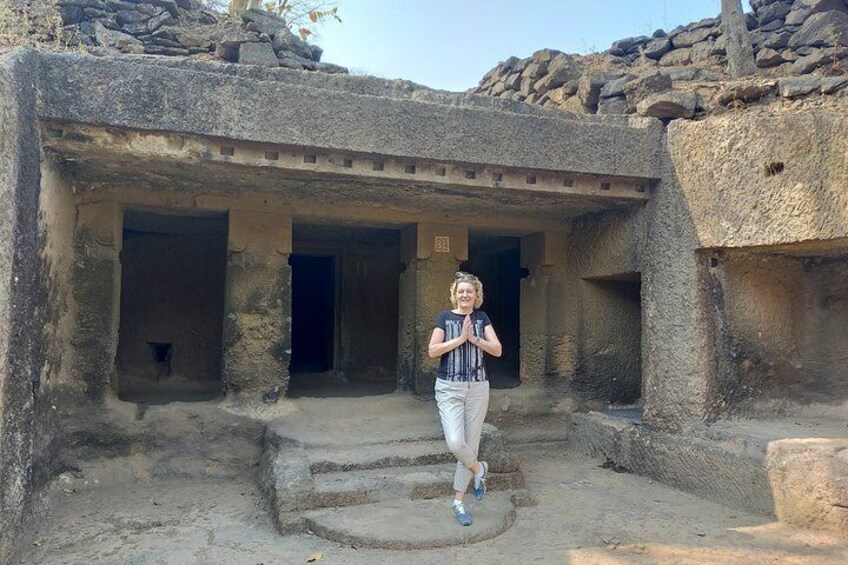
(669, 105)
(258, 54)
(789, 38)
(637, 90)
(793, 87)
(809, 480)
(745, 92)
(826, 29)
(186, 28)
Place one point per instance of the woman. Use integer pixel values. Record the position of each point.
(461, 338)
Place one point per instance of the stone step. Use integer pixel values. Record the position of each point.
(349, 488)
(410, 524)
(377, 456)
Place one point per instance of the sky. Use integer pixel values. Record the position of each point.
(451, 44)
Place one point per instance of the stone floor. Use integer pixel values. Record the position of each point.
(584, 511)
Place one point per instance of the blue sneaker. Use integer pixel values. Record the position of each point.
(479, 488)
(461, 514)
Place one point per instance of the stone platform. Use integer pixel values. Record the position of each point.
(792, 468)
(381, 485)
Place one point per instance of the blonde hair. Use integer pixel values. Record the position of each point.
(471, 279)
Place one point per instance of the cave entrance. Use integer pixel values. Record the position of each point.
(173, 272)
(345, 305)
(496, 261)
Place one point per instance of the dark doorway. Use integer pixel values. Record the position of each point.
(345, 284)
(172, 307)
(496, 260)
(313, 313)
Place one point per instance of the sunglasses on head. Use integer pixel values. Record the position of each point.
(460, 276)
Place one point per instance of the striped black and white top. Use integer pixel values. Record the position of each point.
(465, 363)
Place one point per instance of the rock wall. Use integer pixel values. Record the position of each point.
(22, 300)
(682, 73)
(775, 181)
(185, 28)
(781, 322)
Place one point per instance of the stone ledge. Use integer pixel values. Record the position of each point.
(415, 524)
(137, 94)
(702, 467)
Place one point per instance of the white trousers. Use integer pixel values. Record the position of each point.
(462, 409)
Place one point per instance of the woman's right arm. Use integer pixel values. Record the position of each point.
(438, 345)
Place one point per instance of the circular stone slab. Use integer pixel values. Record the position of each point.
(412, 524)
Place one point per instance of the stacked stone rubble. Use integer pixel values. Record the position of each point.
(677, 74)
(185, 28)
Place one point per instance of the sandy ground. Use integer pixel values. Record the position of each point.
(585, 514)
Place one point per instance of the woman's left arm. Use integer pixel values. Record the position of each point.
(490, 343)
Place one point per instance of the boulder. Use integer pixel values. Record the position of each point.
(758, 5)
(285, 40)
(555, 78)
(681, 73)
(513, 81)
(745, 92)
(809, 482)
(669, 105)
(558, 96)
(773, 12)
(162, 19)
(169, 51)
(71, 14)
(574, 106)
(290, 63)
(535, 70)
(624, 45)
(656, 48)
(777, 40)
(264, 22)
(114, 39)
(615, 87)
(228, 41)
(589, 88)
(526, 86)
(639, 89)
(769, 58)
(818, 59)
(496, 89)
(193, 38)
(832, 84)
(125, 17)
(798, 16)
(677, 57)
(793, 87)
(261, 54)
(826, 29)
(705, 51)
(772, 26)
(614, 105)
(690, 38)
(544, 55)
(169, 6)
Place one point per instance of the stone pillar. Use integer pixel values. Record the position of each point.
(678, 343)
(547, 309)
(96, 283)
(257, 323)
(431, 254)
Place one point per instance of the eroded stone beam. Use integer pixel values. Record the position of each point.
(66, 138)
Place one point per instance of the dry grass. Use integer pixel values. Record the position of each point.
(32, 23)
